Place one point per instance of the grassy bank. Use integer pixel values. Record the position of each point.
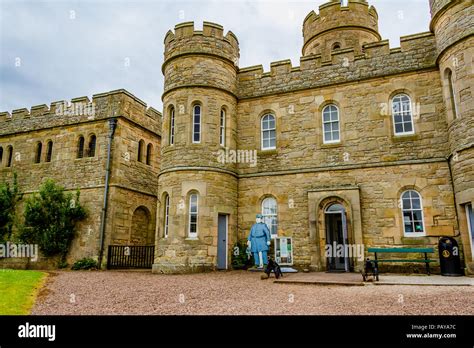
(18, 290)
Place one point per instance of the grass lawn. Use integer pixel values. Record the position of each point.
(18, 290)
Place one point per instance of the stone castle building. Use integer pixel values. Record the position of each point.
(362, 144)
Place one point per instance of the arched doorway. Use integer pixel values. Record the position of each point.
(337, 240)
(140, 233)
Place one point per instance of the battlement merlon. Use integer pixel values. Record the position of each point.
(117, 103)
(343, 66)
(209, 41)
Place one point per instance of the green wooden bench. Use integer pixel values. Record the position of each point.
(424, 251)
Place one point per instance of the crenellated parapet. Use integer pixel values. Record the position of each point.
(200, 57)
(416, 52)
(340, 27)
(118, 103)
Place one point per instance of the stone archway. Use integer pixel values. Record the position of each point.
(319, 200)
(141, 232)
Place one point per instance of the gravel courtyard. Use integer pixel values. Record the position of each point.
(237, 292)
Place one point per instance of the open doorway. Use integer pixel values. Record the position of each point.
(336, 239)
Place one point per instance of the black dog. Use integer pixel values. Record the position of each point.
(369, 270)
(273, 266)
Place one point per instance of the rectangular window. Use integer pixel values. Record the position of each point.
(193, 216)
(222, 129)
(331, 132)
(172, 126)
(167, 215)
(402, 115)
(197, 124)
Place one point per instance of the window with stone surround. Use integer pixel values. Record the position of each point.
(197, 123)
(336, 46)
(193, 216)
(331, 124)
(222, 128)
(1, 155)
(9, 155)
(452, 93)
(149, 154)
(80, 147)
(172, 120)
(402, 115)
(268, 127)
(270, 215)
(141, 148)
(91, 146)
(38, 150)
(49, 151)
(412, 212)
(166, 216)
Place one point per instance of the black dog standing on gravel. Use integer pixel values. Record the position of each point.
(272, 266)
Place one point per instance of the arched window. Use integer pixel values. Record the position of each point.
(268, 132)
(9, 155)
(39, 149)
(166, 216)
(270, 214)
(336, 46)
(197, 123)
(91, 147)
(412, 210)
(80, 147)
(193, 216)
(402, 115)
(149, 154)
(452, 93)
(1, 155)
(222, 128)
(331, 125)
(49, 151)
(171, 125)
(141, 148)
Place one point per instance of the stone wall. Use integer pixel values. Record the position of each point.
(217, 194)
(381, 218)
(63, 124)
(367, 135)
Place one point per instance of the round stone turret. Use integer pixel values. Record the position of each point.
(340, 27)
(197, 184)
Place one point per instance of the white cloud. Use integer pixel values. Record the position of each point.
(64, 57)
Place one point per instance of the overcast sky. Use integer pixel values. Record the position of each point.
(62, 49)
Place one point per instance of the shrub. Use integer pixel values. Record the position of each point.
(240, 259)
(9, 197)
(85, 263)
(50, 218)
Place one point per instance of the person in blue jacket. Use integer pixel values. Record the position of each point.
(259, 242)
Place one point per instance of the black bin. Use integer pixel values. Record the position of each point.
(449, 260)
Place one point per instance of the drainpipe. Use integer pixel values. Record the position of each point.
(454, 195)
(112, 127)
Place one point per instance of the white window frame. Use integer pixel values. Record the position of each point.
(191, 213)
(167, 216)
(172, 126)
(413, 234)
(197, 124)
(268, 130)
(267, 216)
(222, 127)
(400, 113)
(338, 120)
